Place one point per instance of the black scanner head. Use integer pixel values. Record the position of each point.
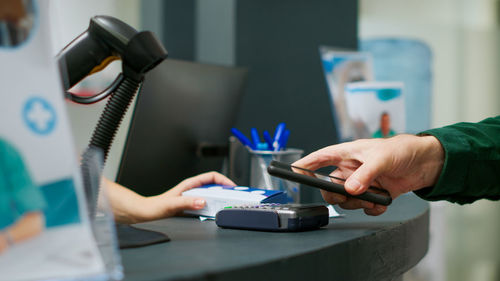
(108, 39)
(111, 32)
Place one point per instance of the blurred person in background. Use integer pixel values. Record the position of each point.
(21, 201)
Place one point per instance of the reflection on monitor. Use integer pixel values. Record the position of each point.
(182, 106)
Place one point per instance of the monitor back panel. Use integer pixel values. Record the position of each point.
(181, 105)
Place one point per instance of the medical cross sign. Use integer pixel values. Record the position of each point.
(39, 116)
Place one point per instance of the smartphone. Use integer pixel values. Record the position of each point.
(326, 182)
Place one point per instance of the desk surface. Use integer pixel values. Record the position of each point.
(355, 247)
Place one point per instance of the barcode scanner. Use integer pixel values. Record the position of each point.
(108, 39)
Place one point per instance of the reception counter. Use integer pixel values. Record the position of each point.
(352, 247)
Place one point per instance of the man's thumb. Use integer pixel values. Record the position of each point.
(361, 179)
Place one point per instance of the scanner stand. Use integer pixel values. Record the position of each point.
(133, 237)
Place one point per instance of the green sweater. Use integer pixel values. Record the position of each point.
(471, 169)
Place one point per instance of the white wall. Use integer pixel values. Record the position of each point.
(434, 22)
(215, 31)
(464, 38)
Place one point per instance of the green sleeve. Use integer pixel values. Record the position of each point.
(26, 195)
(471, 169)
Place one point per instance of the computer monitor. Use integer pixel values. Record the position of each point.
(182, 107)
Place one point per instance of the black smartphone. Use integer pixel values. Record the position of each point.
(326, 182)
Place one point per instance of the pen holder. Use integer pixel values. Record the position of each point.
(248, 167)
(259, 177)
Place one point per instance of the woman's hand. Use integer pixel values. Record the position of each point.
(130, 207)
(3, 243)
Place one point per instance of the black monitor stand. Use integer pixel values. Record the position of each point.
(133, 237)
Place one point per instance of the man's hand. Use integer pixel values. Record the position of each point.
(399, 164)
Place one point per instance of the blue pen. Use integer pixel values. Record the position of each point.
(269, 141)
(284, 140)
(255, 137)
(242, 138)
(277, 135)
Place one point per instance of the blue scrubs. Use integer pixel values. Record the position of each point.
(378, 134)
(18, 193)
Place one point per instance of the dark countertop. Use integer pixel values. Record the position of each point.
(354, 247)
